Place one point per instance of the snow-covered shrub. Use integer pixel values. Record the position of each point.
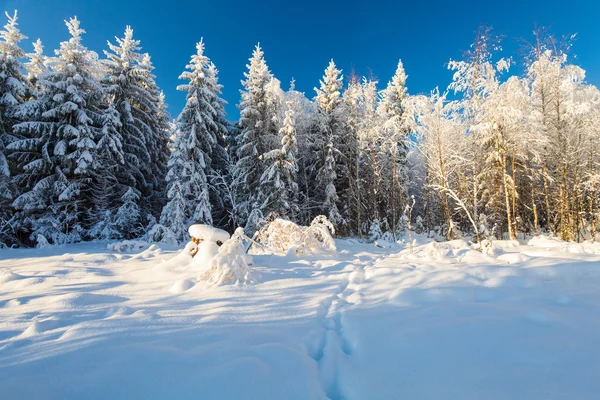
(256, 220)
(281, 236)
(127, 246)
(231, 264)
(318, 237)
(42, 242)
(402, 228)
(160, 234)
(419, 227)
(387, 236)
(375, 231)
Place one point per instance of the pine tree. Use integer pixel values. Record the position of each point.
(37, 63)
(326, 179)
(134, 95)
(328, 100)
(13, 91)
(201, 132)
(127, 217)
(278, 182)
(396, 124)
(255, 139)
(57, 151)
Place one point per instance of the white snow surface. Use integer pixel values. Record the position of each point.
(207, 232)
(447, 322)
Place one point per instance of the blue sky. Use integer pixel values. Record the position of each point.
(299, 38)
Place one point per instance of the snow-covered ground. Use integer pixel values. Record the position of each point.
(368, 323)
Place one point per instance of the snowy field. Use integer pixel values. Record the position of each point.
(367, 323)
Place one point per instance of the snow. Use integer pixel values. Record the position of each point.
(207, 232)
(81, 321)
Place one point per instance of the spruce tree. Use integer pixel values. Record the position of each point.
(329, 102)
(133, 93)
(395, 126)
(13, 91)
(201, 132)
(255, 139)
(56, 153)
(278, 183)
(36, 66)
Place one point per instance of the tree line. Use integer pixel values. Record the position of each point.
(88, 150)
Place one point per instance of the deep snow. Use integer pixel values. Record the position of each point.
(81, 321)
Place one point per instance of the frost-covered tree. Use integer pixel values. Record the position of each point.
(200, 135)
(256, 138)
(307, 131)
(396, 116)
(278, 182)
(131, 90)
(329, 102)
(56, 153)
(13, 91)
(36, 65)
(326, 179)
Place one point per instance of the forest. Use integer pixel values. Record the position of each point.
(89, 151)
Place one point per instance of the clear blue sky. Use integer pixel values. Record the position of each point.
(299, 38)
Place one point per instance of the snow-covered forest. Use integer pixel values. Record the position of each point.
(89, 151)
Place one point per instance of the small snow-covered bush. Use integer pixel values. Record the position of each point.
(161, 234)
(419, 227)
(127, 246)
(375, 230)
(318, 237)
(281, 236)
(42, 242)
(402, 227)
(387, 237)
(231, 264)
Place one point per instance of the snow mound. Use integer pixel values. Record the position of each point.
(182, 285)
(127, 246)
(7, 275)
(443, 250)
(514, 258)
(207, 232)
(547, 242)
(231, 264)
(489, 248)
(33, 329)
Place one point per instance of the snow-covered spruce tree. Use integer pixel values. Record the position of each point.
(158, 139)
(329, 102)
(36, 65)
(56, 151)
(278, 183)
(220, 166)
(326, 179)
(306, 124)
(201, 124)
(13, 91)
(395, 126)
(105, 186)
(132, 92)
(255, 139)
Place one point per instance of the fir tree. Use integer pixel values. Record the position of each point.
(255, 139)
(13, 91)
(57, 152)
(278, 182)
(37, 63)
(329, 102)
(134, 95)
(200, 137)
